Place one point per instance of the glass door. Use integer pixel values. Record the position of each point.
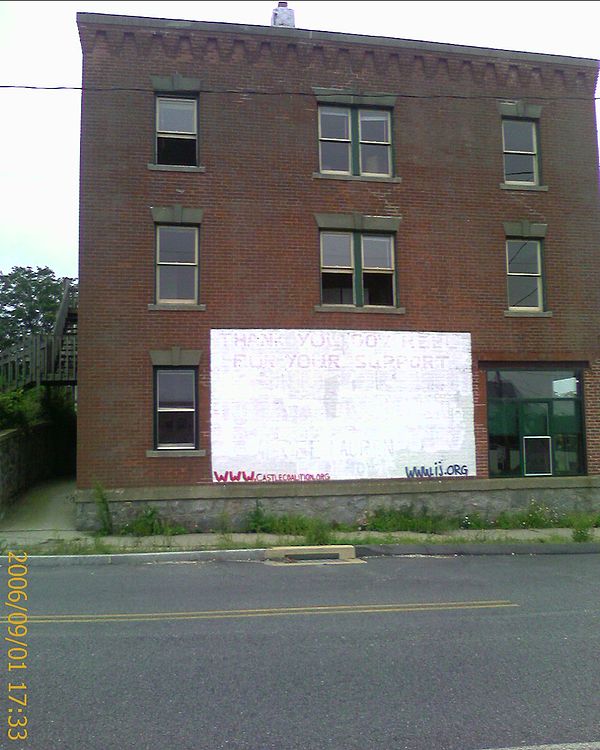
(537, 442)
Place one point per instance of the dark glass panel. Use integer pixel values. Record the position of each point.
(504, 455)
(378, 289)
(374, 159)
(337, 249)
(335, 156)
(176, 245)
(503, 418)
(374, 126)
(337, 289)
(377, 251)
(176, 428)
(518, 135)
(532, 384)
(176, 151)
(523, 291)
(537, 456)
(504, 447)
(523, 256)
(568, 454)
(566, 416)
(519, 168)
(335, 123)
(536, 419)
(176, 389)
(177, 283)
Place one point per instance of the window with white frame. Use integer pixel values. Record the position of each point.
(176, 131)
(524, 271)
(176, 414)
(355, 141)
(521, 162)
(357, 268)
(176, 264)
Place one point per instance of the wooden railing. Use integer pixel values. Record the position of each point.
(39, 360)
(67, 305)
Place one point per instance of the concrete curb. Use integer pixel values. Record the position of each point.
(231, 555)
(362, 550)
(397, 550)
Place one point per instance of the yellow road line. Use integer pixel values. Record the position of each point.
(270, 612)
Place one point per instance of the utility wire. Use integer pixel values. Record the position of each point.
(256, 92)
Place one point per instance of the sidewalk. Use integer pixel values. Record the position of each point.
(42, 522)
(44, 513)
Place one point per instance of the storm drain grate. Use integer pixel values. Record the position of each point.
(336, 553)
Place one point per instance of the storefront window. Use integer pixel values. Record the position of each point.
(535, 423)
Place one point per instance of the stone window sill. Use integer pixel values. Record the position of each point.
(174, 168)
(350, 309)
(178, 307)
(353, 177)
(175, 454)
(526, 314)
(534, 188)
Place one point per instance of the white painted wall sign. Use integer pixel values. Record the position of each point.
(304, 405)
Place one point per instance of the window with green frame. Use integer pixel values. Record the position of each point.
(535, 422)
(355, 141)
(357, 268)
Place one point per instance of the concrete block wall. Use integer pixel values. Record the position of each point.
(26, 457)
(206, 507)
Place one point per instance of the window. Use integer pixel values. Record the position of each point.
(355, 141)
(176, 411)
(519, 138)
(176, 131)
(357, 269)
(176, 264)
(535, 422)
(524, 269)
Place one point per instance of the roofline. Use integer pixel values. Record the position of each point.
(331, 36)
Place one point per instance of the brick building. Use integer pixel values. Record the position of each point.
(349, 270)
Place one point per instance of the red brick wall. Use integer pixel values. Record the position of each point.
(259, 249)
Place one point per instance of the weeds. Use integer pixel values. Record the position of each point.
(224, 525)
(103, 510)
(582, 533)
(405, 519)
(149, 523)
(393, 520)
(73, 547)
(318, 532)
(258, 522)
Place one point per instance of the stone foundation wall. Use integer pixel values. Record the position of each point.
(25, 458)
(208, 507)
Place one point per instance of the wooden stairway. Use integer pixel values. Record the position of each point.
(45, 359)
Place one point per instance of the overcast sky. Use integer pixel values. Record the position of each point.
(39, 46)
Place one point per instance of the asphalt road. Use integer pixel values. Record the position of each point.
(370, 656)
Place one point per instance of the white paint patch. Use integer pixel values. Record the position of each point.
(305, 405)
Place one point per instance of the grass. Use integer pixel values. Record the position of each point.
(72, 547)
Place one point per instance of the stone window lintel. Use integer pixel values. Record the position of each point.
(358, 222)
(175, 357)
